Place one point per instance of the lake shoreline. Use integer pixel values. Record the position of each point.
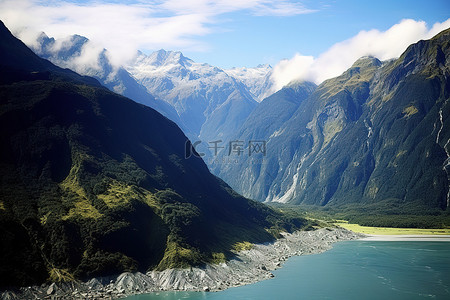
(247, 267)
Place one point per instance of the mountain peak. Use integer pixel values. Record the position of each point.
(264, 66)
(14, 53)
(66, 48)
(163, 57)
(367, 61)
(302, 84)
(256, 79)
(78, 39)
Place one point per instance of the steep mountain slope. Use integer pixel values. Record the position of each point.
(204, 101)
(264, 123)
(257, 80)
(211, 103)
(77, 53)
(378, 134)
(92, 183)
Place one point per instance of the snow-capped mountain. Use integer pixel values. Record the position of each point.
(211, 103)
(257, 79)
(206, 102)
(79, 54)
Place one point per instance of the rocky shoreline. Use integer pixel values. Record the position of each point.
(249, 266)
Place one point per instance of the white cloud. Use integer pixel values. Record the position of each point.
(280, 8)
(87, 60)
(381, 44)
(288, 70)
(125, 26)
(256, 7)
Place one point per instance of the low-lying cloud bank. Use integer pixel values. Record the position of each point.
(381, 44)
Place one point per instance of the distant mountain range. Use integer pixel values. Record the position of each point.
(257, 80)
(206, 102)
(211, 104)
(341, 143)
(376, 137)
(74, 53)
(93, 183)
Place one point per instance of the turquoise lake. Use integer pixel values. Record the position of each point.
(351, 270)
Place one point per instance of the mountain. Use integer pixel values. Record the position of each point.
(257, 80)
(211, 103)
(93, 183)
(78, 53)
(376, 137)
(204, 101)
(265, 122)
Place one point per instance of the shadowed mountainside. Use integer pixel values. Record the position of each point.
(92, 183)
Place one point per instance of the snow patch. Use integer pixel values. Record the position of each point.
(257, 80)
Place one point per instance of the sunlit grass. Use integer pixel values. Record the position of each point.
(410, 110)
(60, 275)
(218, 257)
(390, 231)
(84, 209)
(176, 256)
(241, 246)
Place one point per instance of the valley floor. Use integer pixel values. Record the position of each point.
(392, 231)
(248, 266)
(408, 238)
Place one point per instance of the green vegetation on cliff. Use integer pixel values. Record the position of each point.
(93, 184)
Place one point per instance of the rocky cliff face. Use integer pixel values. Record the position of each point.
(264, 124)
(377, 134)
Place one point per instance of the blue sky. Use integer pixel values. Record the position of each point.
(311, 40)
(249, 40)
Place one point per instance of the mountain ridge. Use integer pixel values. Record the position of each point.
(360, 139)
(197, 91)
(71, 53)
(205, 101)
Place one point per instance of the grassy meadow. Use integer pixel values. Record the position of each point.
(389, 230)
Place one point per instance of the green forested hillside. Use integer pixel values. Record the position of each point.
(92, 183)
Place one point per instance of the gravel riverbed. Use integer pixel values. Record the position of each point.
(248, 266)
